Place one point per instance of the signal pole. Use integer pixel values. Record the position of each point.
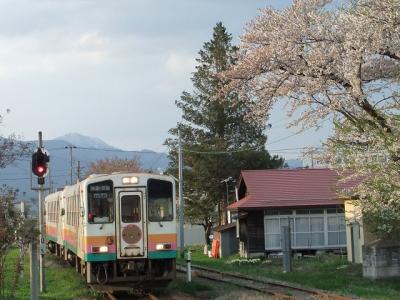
(40, 160)
(33, 270)
(41, 235)
(181, 204)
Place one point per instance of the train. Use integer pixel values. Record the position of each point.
(118, 227)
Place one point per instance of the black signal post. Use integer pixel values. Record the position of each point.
(40, 160)
(40, 168)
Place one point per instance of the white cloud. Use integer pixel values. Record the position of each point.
(180, 64)
(91, 40)
(49, 52)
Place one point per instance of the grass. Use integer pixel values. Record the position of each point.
(329, 272)
(62, 282)
(190, 288)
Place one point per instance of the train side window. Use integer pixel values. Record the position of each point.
(160, 205)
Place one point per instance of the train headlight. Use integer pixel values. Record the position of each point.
(127, 180)
(163, 246)
(103, 249)
(100, 249)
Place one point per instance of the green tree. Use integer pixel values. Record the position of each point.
(218, 138)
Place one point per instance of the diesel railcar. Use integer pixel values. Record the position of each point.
(115, 228)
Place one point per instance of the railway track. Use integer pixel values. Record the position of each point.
(114, 292)
(276, 289)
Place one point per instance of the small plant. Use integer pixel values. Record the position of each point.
(188, 287)
(240, 261)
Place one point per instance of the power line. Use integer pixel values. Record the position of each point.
(296, 133)
(28, 178)
(110, 150)
(221, 152)
(194, 151)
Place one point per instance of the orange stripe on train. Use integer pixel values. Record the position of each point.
(162, 238)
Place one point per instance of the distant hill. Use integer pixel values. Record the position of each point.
(81, 140)
(294, 163)
(88, 149)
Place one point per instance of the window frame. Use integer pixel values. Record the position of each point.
(277, 215)
(149, 181)
(112, 206)
(140, 199)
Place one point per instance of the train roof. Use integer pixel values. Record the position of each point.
(113, 176)
(95, 177)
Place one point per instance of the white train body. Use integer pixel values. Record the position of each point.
(119, 227)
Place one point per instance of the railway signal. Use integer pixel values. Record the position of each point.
(40, 168)
(40, 160)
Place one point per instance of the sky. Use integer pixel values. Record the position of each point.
(113, 69)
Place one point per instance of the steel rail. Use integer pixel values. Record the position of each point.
(110, 295)
(110, 291)
(277, 289)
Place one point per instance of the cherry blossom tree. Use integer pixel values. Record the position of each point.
(337, 63)
(110, 165)
(10, 147)
(13, 228)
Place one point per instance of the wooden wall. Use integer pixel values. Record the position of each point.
(251, 232)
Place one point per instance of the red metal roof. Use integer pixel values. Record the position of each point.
(288, 188)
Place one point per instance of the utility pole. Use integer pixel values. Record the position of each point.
(70, 147)
(181, 204)
(41, 228)
(312, 159)
(227, 181)
(79, 170)
(226, 204)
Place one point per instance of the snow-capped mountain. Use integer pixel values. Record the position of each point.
(88, 149)
(85, 141)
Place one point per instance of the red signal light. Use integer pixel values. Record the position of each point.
(40, 170)
(40, 160)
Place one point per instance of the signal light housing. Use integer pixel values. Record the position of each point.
(40, 160)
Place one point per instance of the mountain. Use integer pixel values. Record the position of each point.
(84, 141)
(294, 163)
(88, 149)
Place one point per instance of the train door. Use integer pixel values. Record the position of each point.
(131, 223)
(59, 219)
(81, 215)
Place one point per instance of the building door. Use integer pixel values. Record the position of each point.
(131, 232)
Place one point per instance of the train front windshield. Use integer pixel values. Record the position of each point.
(100, 202)
(160, 204)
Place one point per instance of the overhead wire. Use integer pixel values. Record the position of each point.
(184, 149)
(28, 178)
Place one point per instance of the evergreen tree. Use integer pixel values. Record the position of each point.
(218, 138)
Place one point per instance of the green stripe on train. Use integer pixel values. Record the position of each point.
(51, 238)
(100, 256)
(69, 246)
(162, 254)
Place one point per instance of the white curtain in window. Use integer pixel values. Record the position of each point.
(272, 226)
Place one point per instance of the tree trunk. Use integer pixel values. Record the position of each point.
(207, 231)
